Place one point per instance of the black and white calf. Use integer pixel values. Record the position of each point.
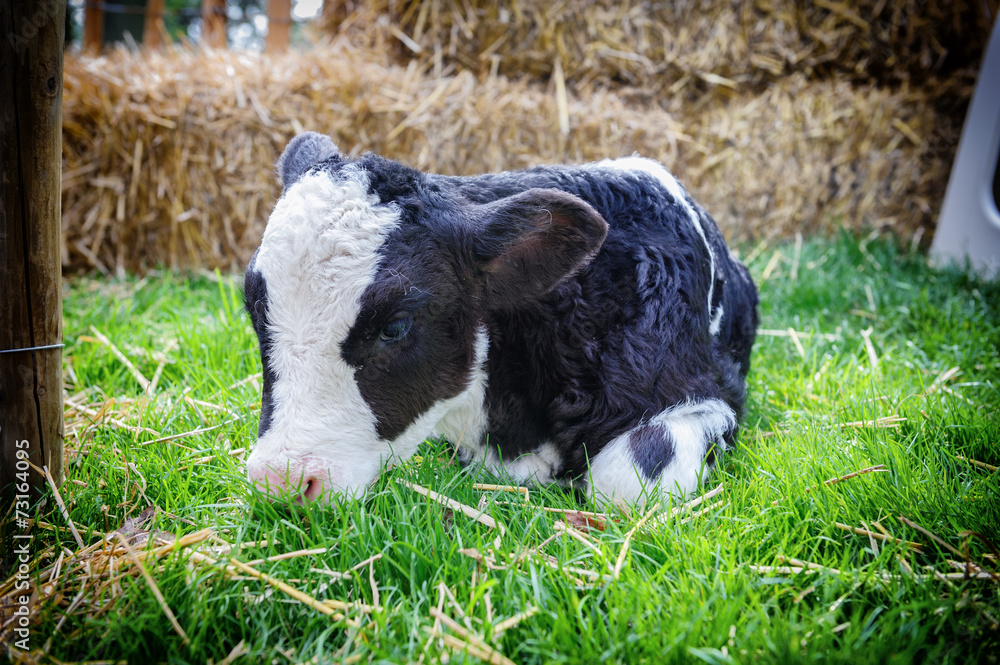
(564, 322)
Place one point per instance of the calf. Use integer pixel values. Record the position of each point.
(563, 323)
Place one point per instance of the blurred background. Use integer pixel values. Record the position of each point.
(781, 117)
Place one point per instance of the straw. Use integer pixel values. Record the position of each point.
(805, 153)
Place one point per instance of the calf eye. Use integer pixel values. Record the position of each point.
(396, 329)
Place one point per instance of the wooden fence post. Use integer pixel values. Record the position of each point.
(279, 23)
(31, 406)
(152, 31)
(213, 23)
(93, 28)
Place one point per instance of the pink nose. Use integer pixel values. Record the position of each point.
(286, 482)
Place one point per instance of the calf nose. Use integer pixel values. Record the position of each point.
(313, 488)
(286, 482)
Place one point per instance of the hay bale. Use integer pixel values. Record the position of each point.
(169, 158)
(657, 44)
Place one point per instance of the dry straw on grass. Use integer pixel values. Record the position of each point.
(168, 159)
(86, 584)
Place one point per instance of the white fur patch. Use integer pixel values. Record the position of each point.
(318, 255)
(694, 427)
(613, 474)
(716, 325)
(538, 467)
(669, 182)
(465, 421)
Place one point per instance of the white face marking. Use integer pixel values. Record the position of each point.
(694, 427)
(669, 182)
(318, 254)
(465, 421)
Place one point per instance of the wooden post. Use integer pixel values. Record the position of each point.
(31, 407)
(93, 27)
(153, 30)
(279, 23)
(213, 23)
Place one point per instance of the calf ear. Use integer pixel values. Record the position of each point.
(530, 242)
(301, 153)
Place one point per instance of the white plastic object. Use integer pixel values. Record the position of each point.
(969, 224)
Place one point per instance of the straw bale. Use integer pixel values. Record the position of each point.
(168, 158)
(656, 44)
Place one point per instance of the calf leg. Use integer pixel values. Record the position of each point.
(669, 453)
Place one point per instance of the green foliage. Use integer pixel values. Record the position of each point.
(686, 591)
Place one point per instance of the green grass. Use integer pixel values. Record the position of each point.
(686, 592)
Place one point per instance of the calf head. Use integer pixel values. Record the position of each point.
(368, 295)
